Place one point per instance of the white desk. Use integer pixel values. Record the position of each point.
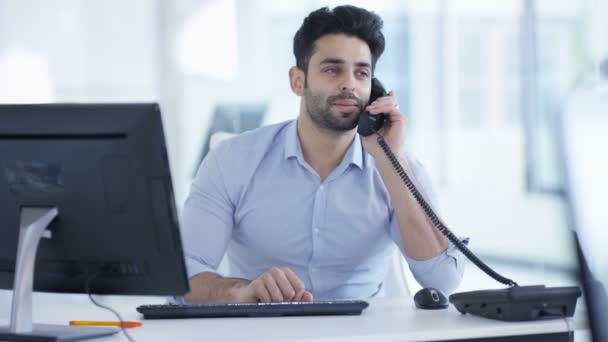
(384, 320)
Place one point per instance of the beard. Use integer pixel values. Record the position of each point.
(321, 114)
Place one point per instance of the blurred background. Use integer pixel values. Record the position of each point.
(483, 84)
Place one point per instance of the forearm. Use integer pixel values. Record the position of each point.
(208, 287)
(421, 239)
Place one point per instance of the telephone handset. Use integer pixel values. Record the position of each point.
(520, 305)
(368, 124)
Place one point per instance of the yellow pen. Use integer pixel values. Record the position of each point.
(125, 324)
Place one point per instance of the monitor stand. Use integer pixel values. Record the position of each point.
(33, 224)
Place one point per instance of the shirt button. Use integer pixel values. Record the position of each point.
(321, 188)
(312, 269)
(316, 230)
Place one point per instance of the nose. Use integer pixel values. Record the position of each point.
(348, 83)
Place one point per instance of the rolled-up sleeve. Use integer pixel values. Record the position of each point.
(443, 271)
(207, 217)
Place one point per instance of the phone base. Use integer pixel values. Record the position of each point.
(519, 303)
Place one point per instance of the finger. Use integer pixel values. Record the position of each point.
(382, 100)
(296, 282)
(283, 283)
(260, 291)
(386, 108)
(389, 102)
(388, 97)
(273, 288)
(299, 295)
(307, 297)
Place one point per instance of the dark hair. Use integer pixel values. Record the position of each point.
(349, 20)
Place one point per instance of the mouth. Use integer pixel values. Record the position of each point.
(346, 106)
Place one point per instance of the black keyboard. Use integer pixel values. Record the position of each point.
(273, 309)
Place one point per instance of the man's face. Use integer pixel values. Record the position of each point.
(338, 81)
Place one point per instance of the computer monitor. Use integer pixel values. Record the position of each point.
(86, 192)
(584, 128)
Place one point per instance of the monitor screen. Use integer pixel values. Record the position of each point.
(104, 167)
(586, 141)
(585, 138)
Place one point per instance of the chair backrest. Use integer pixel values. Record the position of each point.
(234, 118)
(397, 282)
(218, 137)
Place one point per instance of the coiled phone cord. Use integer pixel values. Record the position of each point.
(436, 221)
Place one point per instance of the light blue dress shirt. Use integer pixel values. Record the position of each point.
(257, 199)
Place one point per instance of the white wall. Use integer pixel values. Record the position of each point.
(96, 51)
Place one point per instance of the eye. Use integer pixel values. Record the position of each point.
(363, 74)
(331, 71)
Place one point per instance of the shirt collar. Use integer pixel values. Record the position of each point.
(354, 154)
(292, 143)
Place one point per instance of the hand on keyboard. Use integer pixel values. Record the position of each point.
(275, 285)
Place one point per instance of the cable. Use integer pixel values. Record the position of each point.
(120, 320)
(570, 332)
(435, 220)
(568, 328)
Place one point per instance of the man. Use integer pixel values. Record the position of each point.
(308, 208)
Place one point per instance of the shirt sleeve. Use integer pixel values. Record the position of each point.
(207, 217)
(444, 271)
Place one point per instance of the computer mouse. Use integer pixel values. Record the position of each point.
(430, 298)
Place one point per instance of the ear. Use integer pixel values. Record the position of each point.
(296, 80)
